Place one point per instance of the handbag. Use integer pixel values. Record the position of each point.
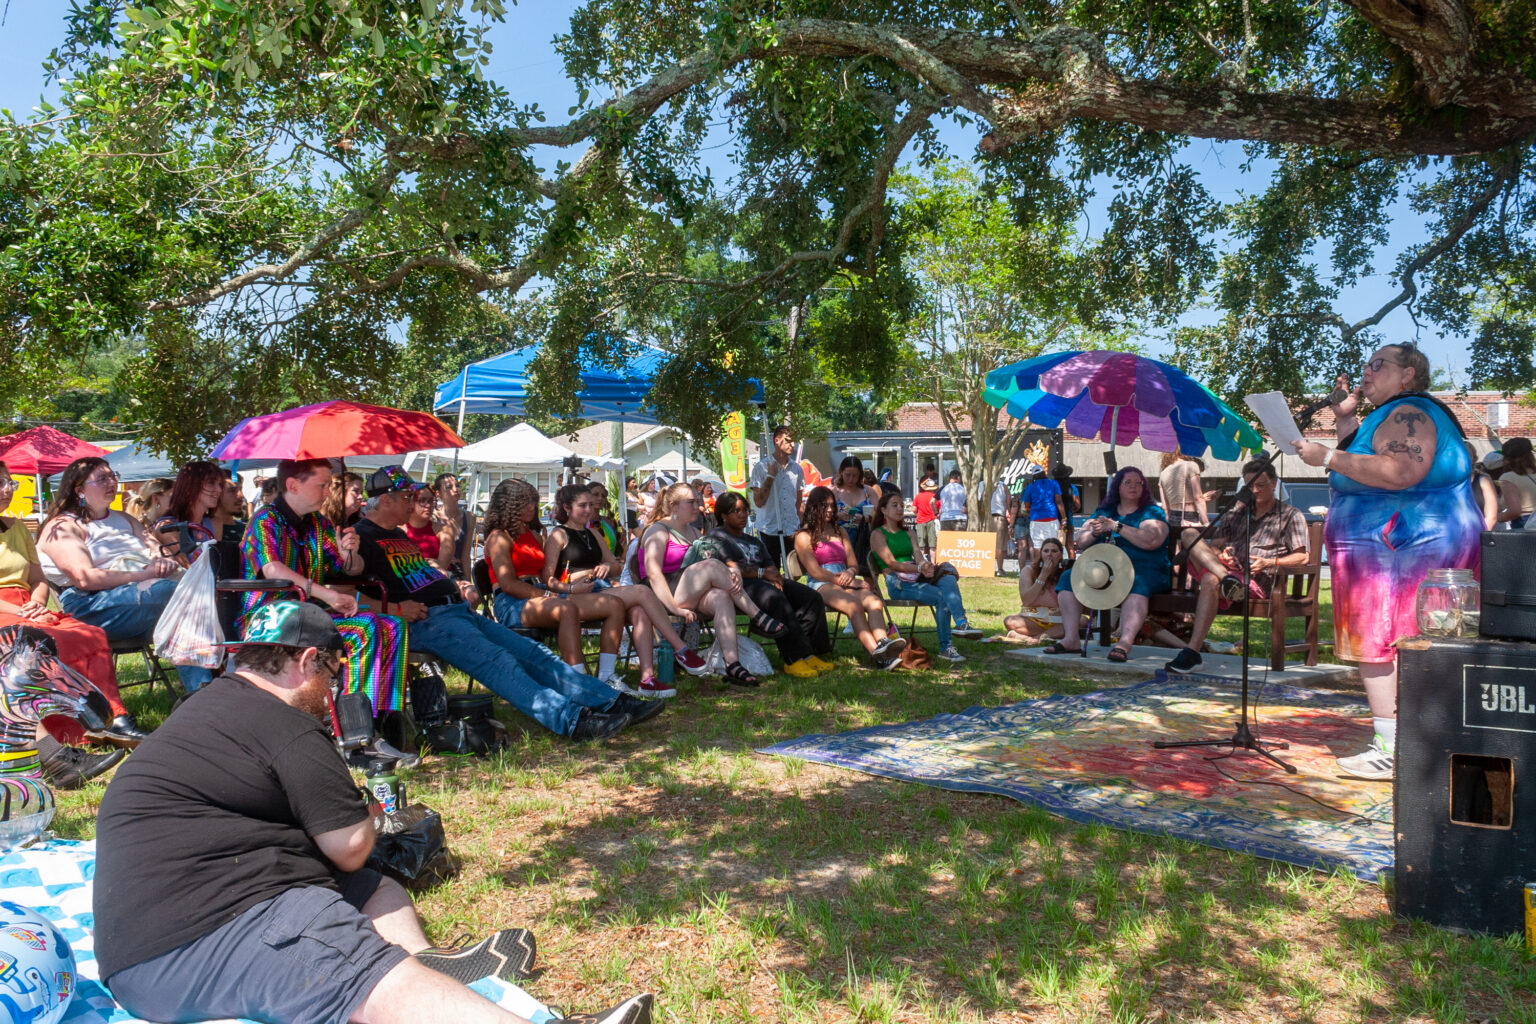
(188, 632)
(915, 655)
(412, 847)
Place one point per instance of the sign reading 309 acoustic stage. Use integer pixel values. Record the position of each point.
(973, 554)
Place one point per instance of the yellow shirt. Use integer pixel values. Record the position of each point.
(17, 555)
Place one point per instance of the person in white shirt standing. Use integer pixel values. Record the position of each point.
(1000, 525)
(776, 484)
(952, 503)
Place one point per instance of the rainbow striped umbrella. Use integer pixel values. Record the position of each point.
(1121, 397)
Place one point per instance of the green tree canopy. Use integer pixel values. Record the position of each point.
(269, 188)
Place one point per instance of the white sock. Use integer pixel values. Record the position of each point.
(606, 663)
(1386, 733)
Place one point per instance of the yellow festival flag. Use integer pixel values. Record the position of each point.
(733, 453)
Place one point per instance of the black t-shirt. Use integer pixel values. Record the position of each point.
(393, 559)
(742, 548)
(211, 815)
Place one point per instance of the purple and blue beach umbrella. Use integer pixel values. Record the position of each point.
(1121, 397)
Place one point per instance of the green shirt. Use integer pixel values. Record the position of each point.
(900, 543)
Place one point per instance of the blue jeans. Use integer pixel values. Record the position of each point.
(525, 674)
(943, 596)
(129, 613)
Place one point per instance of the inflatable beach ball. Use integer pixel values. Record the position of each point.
(37, 967)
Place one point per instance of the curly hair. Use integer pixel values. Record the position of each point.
(815, 504)
(509, 502)
(565, 497)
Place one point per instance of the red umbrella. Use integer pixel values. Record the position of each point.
(43, 451)
(332, 430)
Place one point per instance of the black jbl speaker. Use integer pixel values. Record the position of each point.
(1465, 794)
(1509, 585)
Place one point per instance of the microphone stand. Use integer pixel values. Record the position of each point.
(1243, 738)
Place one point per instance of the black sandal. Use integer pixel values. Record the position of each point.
(737, 675)
(1060, 648)
(1117, 655)
(768, 625)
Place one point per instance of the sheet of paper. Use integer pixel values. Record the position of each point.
(1275, 414)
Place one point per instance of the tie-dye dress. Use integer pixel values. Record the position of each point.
(1382, 543)
(311, 546)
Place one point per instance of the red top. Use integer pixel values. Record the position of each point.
(924, 505)
(425, 539)
(527, 556)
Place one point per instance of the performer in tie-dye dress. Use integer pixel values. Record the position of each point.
(290, 540)
(1402, 505)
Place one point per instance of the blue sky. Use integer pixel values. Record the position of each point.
(525, 62)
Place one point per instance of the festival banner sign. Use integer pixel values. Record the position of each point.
(733, 453)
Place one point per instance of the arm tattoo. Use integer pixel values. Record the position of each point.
(1410, 420)
(1413, 451)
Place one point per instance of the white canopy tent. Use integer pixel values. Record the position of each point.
(521, 451)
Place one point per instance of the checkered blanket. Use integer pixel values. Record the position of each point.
(54, 878)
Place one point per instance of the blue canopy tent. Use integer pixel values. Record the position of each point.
(500, 385)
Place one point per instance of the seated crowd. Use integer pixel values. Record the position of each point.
(366, 571)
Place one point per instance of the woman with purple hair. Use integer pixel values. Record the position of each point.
(1129, 518)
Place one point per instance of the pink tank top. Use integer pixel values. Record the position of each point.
(672, 561)
(829, 551)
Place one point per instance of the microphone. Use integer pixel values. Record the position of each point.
(1313, 408)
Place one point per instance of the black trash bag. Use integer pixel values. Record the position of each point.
(412, 848)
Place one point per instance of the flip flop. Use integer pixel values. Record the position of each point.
(1061, 648)
(1117, 655)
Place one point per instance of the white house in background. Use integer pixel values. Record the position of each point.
(647, 449)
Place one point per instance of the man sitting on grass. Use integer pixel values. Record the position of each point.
(230, 878)
(526, 674)
(1277, 538)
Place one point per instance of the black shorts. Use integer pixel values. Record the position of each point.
(308, 956)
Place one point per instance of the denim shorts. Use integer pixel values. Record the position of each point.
(508, 609)
(832, 567)
(308, 956)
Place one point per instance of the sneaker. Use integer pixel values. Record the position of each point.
(951, 654)
(891, 645)
(1186, 660)
(617, 683)
(380, 748)
(507, 954)
(966, 632)
(651, 688)
(690, 661)
(1232, 589)
(889, 662)
(635, 1010)
(598, 725)
(637, 709)
(1373, 763)
(802, 669)
(72, 768)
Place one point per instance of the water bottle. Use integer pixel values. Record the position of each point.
(666, 669)
(384, 785)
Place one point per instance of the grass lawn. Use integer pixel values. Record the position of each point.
(746, 888)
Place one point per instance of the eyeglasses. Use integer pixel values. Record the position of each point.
(1375, 365)
(7, 484)
(102, 479)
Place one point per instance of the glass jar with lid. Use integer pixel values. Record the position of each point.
(1449, 603)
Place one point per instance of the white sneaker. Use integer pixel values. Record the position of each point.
(966, 632)
(951, 654)
(1373, 763)
(618, 682)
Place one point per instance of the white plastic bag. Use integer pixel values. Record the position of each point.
(752, 657)
(188, 632)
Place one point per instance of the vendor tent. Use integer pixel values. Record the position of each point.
(44, 451)
(521, 451)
